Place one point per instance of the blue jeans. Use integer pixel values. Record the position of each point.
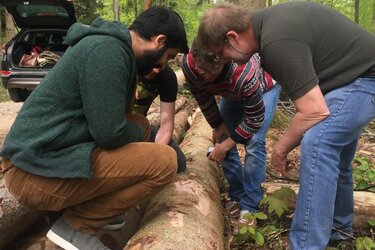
(245, 182)
(325, 196)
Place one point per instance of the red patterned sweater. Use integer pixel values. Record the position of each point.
(244, 83)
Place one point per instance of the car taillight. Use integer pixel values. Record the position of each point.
(5, 73)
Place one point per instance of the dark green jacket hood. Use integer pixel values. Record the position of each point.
(99, 26)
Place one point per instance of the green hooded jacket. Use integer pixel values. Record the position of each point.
(78, 106)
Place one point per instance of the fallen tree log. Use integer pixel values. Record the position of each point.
(180, 77)
(181, 124)
(153, 115)
(188, 213)
(364, 203)
(14, 218)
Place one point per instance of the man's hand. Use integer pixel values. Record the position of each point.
(218, 154)
(279, 161)
(221, 150)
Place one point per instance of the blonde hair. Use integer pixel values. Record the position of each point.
(217, 21)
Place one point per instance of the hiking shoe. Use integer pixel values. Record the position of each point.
(115, 224)
(242, 221)
(343, 244)
(70, 239)
(232, 209)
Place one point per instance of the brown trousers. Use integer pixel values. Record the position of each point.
(122, 178)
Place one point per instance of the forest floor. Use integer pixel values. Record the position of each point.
(279, 240)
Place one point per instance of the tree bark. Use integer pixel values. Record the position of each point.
(116, 10)
(252, 4)
(356, 11)
(10, 30)
(364, 203)
(14, 218)
(180, 125)
(1, 32)
(187, 214)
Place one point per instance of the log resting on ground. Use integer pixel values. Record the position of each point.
(364, 203)
(187, 214)
(14, 218)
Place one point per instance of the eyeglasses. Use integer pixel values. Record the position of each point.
(218, 57)
(237, 50)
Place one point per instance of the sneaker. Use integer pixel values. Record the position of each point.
(242, 221)
(343, 244)
(232, 209)
(116, 224)
(70, 239)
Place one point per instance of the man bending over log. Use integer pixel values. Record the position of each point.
(249, 98)
(326, 65)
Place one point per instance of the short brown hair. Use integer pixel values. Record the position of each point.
(217, 21)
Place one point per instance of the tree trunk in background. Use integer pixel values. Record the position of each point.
(14, 218)
(269, 3)
(135, 8)
(10, 30)
(252, 4)
(1, 27)
(356, 11)
(116, 14)
(147, 4)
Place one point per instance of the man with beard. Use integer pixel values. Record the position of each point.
(72, 148)
(162, 83)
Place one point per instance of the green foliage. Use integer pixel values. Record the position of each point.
(363, 173)
(86, 10)
(129, 9)
(186, 93)
(277, 201)
(280, 119)
(364, 243)
(4, 97)
(252, 232)
(191, 13)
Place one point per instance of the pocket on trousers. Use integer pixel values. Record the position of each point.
(35, 197)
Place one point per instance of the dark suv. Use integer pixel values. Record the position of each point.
(43, 26)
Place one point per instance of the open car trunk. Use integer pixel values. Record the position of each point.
(47, 46)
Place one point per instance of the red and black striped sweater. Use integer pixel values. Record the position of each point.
(244, 83)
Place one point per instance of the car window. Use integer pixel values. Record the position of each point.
(41, 10)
